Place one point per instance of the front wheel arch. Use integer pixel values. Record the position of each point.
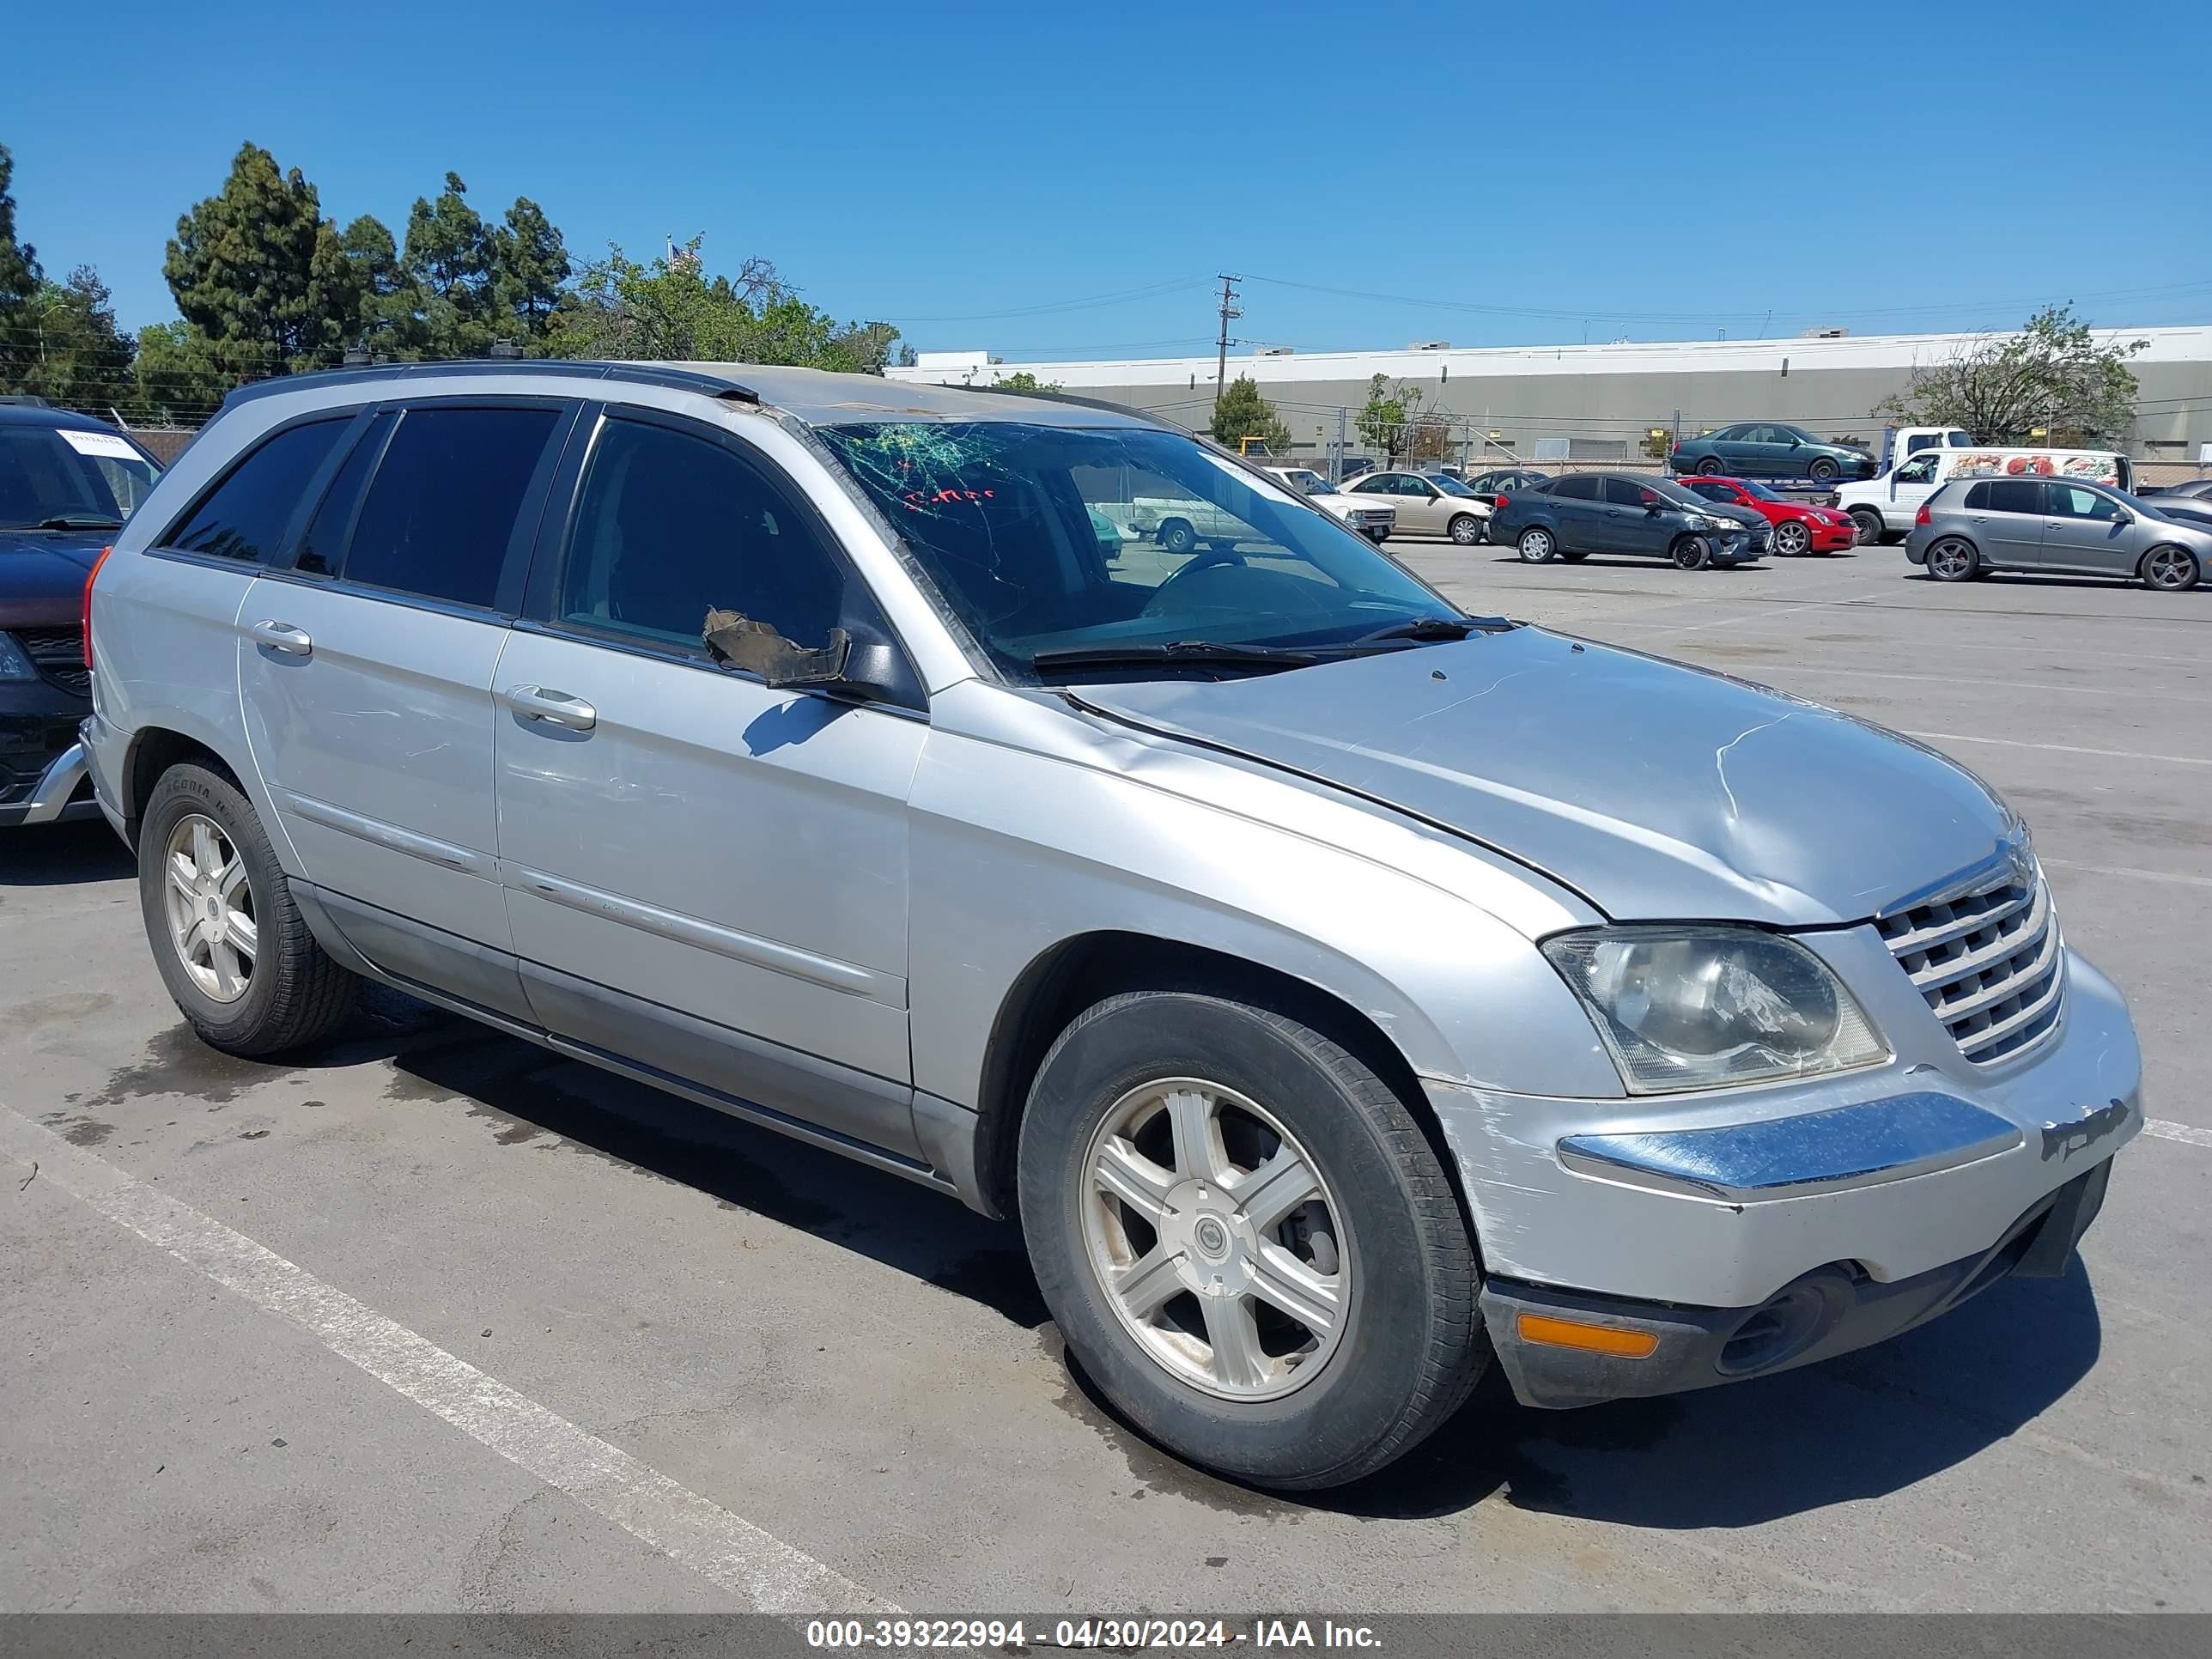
(1079, 972)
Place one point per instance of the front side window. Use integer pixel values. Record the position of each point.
(439, 515)
(996, 513)
(1920, 470)
(670, 527)
(1625, 492)
(2072, 501)
(245, 515)
(63, 479)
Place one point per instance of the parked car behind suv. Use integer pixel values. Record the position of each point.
(1769, 449)
(1427, 504)
(66, 485)
(1327, 1026)
(1572, 517)
(1793, 528)
(2064, 526)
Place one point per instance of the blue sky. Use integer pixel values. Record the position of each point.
(1045, 180)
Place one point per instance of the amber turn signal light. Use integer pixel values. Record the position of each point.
(1591, 1338)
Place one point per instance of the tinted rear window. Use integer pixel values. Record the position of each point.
(245, 515)
(2014, 495)
(437, 518)
(1580, 490)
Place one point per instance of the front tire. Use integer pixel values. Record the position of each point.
(1691, 553)
(1823, 471)
(1953, 559)
(1177, 537)
(1791, 539)
(231, 946)
(1867, 527)
(1247, 1241)
(2169, 569)
(1537, 545)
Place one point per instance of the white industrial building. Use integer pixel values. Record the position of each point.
(1599, 402)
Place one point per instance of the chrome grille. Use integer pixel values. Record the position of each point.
(1988, 962)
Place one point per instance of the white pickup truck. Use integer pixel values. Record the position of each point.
(1180, 524)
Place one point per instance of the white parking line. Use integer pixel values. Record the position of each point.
(2061, 748)
(2188, 1134)
(721, 1547)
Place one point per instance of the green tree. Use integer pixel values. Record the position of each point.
(1384, 422)
(530, 265)
(380, 302)
(1022, 380)
(671, 309)
(180, 375)
(1242, 412)
(451, 257)
(70, 353)
(256, 268)
(19, 269)
(2053, 377)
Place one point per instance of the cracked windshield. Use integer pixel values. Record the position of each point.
(1064, 547)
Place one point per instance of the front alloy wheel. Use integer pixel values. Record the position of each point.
(1466, 529)
(1216, 1240)
(210, 907)
(2173, 570)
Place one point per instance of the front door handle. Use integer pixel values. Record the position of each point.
(536, 703)
(282, 636)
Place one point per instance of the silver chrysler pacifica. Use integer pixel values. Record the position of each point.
(1338, 990)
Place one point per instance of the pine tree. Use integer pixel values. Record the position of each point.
(244, 268)
(1244, 413)
(449, 257)
(531, 263)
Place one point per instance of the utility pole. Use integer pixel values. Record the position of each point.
(1229, 309)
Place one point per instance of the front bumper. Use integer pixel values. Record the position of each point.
(42, 769)
(1829, 1312)
(1714, 1205)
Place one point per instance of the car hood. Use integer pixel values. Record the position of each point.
(44, 570)
(1658, 791)
(1749, 518)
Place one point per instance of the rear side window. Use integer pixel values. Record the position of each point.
(1583, 489)
(2014, 495)
(324, 544)
(1977, 498)
(438, 517)
(245, 515)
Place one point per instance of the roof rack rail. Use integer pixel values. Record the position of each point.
(1065, 398)
(681, 379)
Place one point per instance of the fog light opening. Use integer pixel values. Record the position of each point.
(1776, 1331)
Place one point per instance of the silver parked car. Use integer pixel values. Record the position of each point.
(1338, 991)
(2066, 526)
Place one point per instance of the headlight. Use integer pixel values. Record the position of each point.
(14, 664)
(1703, 1007)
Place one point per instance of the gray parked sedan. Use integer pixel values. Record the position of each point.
(2062, 526)
(1337, 991)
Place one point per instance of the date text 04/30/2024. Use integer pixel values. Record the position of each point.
(1121, 1634)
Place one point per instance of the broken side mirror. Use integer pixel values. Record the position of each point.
(866, 667)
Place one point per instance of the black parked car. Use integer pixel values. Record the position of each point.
(1587, 512)
(66, 485)
(1504, 480)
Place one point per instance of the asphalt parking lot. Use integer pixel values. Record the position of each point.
(433, 1320)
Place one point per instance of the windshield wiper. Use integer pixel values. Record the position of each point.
(1436, 628)
(1198, 653)
(77, 521)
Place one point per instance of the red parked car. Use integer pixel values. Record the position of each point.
(1798, 528)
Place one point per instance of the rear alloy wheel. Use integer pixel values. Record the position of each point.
(1247, 1241)
(1867, 527)
(1466, 529)
(1691, 553)
(2169, 569)
(1791, 539)
(1952, 560)
(1536, 545)
(1822, 470)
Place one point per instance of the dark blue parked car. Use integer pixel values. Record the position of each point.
(66, 485)
(1769, 449)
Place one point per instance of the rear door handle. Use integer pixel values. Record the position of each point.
(536, 703)
(282, 636)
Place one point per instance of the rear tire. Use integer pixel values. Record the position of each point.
(1691, 553)
(1183, 1100)
(1178, 536)
(1953, 559)
(231, 946)
(1466, 530)
(1712, 466)
(2169, 569)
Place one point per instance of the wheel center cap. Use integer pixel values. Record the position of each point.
(1211, 1237)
